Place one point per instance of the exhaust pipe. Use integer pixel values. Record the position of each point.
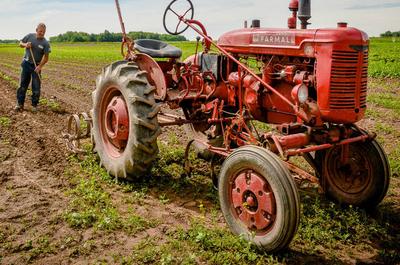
(304, 12)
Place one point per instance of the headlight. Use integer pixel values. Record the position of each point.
(300, 93)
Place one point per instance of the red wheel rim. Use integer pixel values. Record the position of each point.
(352, 177)
(253, 202)
(114, 121)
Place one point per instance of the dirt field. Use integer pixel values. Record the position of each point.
(37, 175)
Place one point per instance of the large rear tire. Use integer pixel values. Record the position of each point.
(259, 198)
(125, 126)
(363, 181)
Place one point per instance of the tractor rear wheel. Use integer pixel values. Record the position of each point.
(259, 198)
(125, 126)
(362, 181)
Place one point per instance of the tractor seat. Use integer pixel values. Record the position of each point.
(157, 49)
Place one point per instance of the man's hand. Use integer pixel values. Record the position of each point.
(28, 45)
(38, 69)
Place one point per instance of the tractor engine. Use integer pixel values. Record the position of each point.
(323, 70)
(331, 63)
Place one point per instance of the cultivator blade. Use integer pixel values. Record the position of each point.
(79, 127)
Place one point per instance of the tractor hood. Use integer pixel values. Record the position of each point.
(289, 41)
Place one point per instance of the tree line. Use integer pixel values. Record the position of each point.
(106, 36)
(9, 41)
(391, 34)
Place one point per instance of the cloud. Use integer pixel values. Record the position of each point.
(376, 6)
(19, 17)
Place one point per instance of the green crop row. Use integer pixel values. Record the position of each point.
(384, 57)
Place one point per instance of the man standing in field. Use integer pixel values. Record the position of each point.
(35, 44)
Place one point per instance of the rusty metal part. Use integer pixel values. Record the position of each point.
(76, 131)
(126, 40)
(187, 165)
(298, 111)
(301, 173)
(327, 146)
(117, 122)
(155, 74)
(253, 201)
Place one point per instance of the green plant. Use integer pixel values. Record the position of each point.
(51, 104)
(40, 246)
(5, 122)
(327, 225)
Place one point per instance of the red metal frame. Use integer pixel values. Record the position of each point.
(341, 93)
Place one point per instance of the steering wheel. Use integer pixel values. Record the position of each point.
(188, 9)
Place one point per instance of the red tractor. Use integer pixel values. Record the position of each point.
(310, 83)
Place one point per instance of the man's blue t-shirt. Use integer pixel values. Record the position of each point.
(40, 47)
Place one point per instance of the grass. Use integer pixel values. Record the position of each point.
(5, 122)
(394, 160)
(326, 229)
(386, 100)
(90, 53)
(52, 105)
(91, 204)
(198, 244)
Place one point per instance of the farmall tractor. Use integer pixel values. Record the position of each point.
(310, 83)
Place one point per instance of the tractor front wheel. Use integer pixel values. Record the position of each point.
(362, 180)
(125, 126)
(259, 198)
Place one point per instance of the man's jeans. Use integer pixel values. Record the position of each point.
(28, 73)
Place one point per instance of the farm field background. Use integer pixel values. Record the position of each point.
(58, 208)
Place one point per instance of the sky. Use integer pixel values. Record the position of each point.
(19, 17)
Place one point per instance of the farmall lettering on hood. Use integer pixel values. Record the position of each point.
(274, 39)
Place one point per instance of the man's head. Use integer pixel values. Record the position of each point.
(40, 30)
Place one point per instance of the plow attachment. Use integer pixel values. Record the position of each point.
(79, 127)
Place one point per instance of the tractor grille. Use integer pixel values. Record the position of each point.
(344, 81)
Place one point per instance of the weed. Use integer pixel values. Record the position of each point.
(51, 104)
(91, 206)
(10, 80)
(135, 223)
(5, 122)
(328, 225)
(41, 246)
(84, 249)
(2, 236)
(169, 162)
(372, 113)
(386, 100)
(385, 128)
(262, 126)
(163, 199)
(394, 160)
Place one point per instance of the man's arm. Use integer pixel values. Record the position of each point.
(44, 60)
(26, 45)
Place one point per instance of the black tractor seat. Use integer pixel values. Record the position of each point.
(157, 49)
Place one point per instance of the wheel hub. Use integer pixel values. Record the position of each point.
(117, 122)
(253, 201)
(352, 177)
